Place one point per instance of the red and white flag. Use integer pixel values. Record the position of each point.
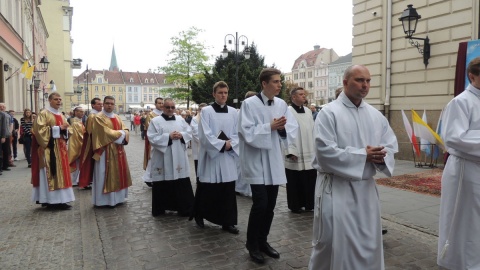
(411, 134)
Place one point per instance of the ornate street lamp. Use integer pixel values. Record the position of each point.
(36, 82)
(237, 41)
(409, 21)
(86, 89)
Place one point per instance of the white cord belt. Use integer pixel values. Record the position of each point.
(324, 187)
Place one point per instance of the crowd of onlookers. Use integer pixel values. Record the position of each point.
(12, 133)
(137, 119)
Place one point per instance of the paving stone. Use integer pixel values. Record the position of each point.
(128, 237)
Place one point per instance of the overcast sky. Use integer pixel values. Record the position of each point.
(142, 29)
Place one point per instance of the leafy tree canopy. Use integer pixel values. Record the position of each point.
(187, 63)
(224, 70)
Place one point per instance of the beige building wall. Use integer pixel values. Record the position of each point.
(410, 83)
(57, 15)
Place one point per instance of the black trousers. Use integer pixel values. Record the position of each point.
(5, 153)
(261, 215)
(14, 146)
(301, 189)
(27, 144)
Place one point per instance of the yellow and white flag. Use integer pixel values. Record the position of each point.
(424, 131)
(23, 71)
(29, 73)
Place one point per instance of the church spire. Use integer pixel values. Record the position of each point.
(113, 61)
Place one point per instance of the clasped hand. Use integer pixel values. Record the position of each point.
(278, 124)
(376, 154)
(176, 135)
(63, 126)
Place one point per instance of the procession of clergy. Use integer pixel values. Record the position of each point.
(327, 165)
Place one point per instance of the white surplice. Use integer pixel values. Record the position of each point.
(98, 197)
(261, 157)
(195, 139)
(168, 162)
(303, 148)
(147, 169)
(213, 165)
(347, 227)
(459, 221)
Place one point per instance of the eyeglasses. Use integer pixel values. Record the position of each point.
(108, 103)
(169, 107)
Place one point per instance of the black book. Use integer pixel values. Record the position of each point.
(222, 136)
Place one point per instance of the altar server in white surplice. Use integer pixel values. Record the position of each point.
(264, 123)
(148, 148)
(195, 140)
(169, 166)
(215, 198)
(459, 227)
(353, 140)
(301, 175)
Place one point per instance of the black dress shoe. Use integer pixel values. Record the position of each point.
(149, 184)
(296, 211)
(384, 231)
(199, 222)
(230, 229)
(6, 169)
(63, 206)
(256, 256)
(269, 251)
(158, 213)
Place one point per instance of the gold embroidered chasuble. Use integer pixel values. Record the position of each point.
(106, 132)
(148, 148)
(86, 167)
(52, 152)
(75, 142)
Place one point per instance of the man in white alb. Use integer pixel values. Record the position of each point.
(353, 140)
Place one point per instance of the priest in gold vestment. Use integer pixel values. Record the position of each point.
(52, 185)
(75, 142)
(111, 175)
(86, 156)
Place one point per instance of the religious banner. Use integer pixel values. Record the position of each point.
(473, 50)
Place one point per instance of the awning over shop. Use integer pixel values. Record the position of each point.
(134, 107)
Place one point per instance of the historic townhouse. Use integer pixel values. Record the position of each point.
(310, 71)
(400, 79)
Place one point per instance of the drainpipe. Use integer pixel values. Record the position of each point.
(388, 70)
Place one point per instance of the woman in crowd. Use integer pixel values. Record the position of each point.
(26, 123)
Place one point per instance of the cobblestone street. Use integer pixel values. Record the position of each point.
(128, 237)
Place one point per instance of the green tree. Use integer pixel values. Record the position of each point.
(188, 61)
(224, 70)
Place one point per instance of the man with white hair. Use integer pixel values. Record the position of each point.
(75, 142)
